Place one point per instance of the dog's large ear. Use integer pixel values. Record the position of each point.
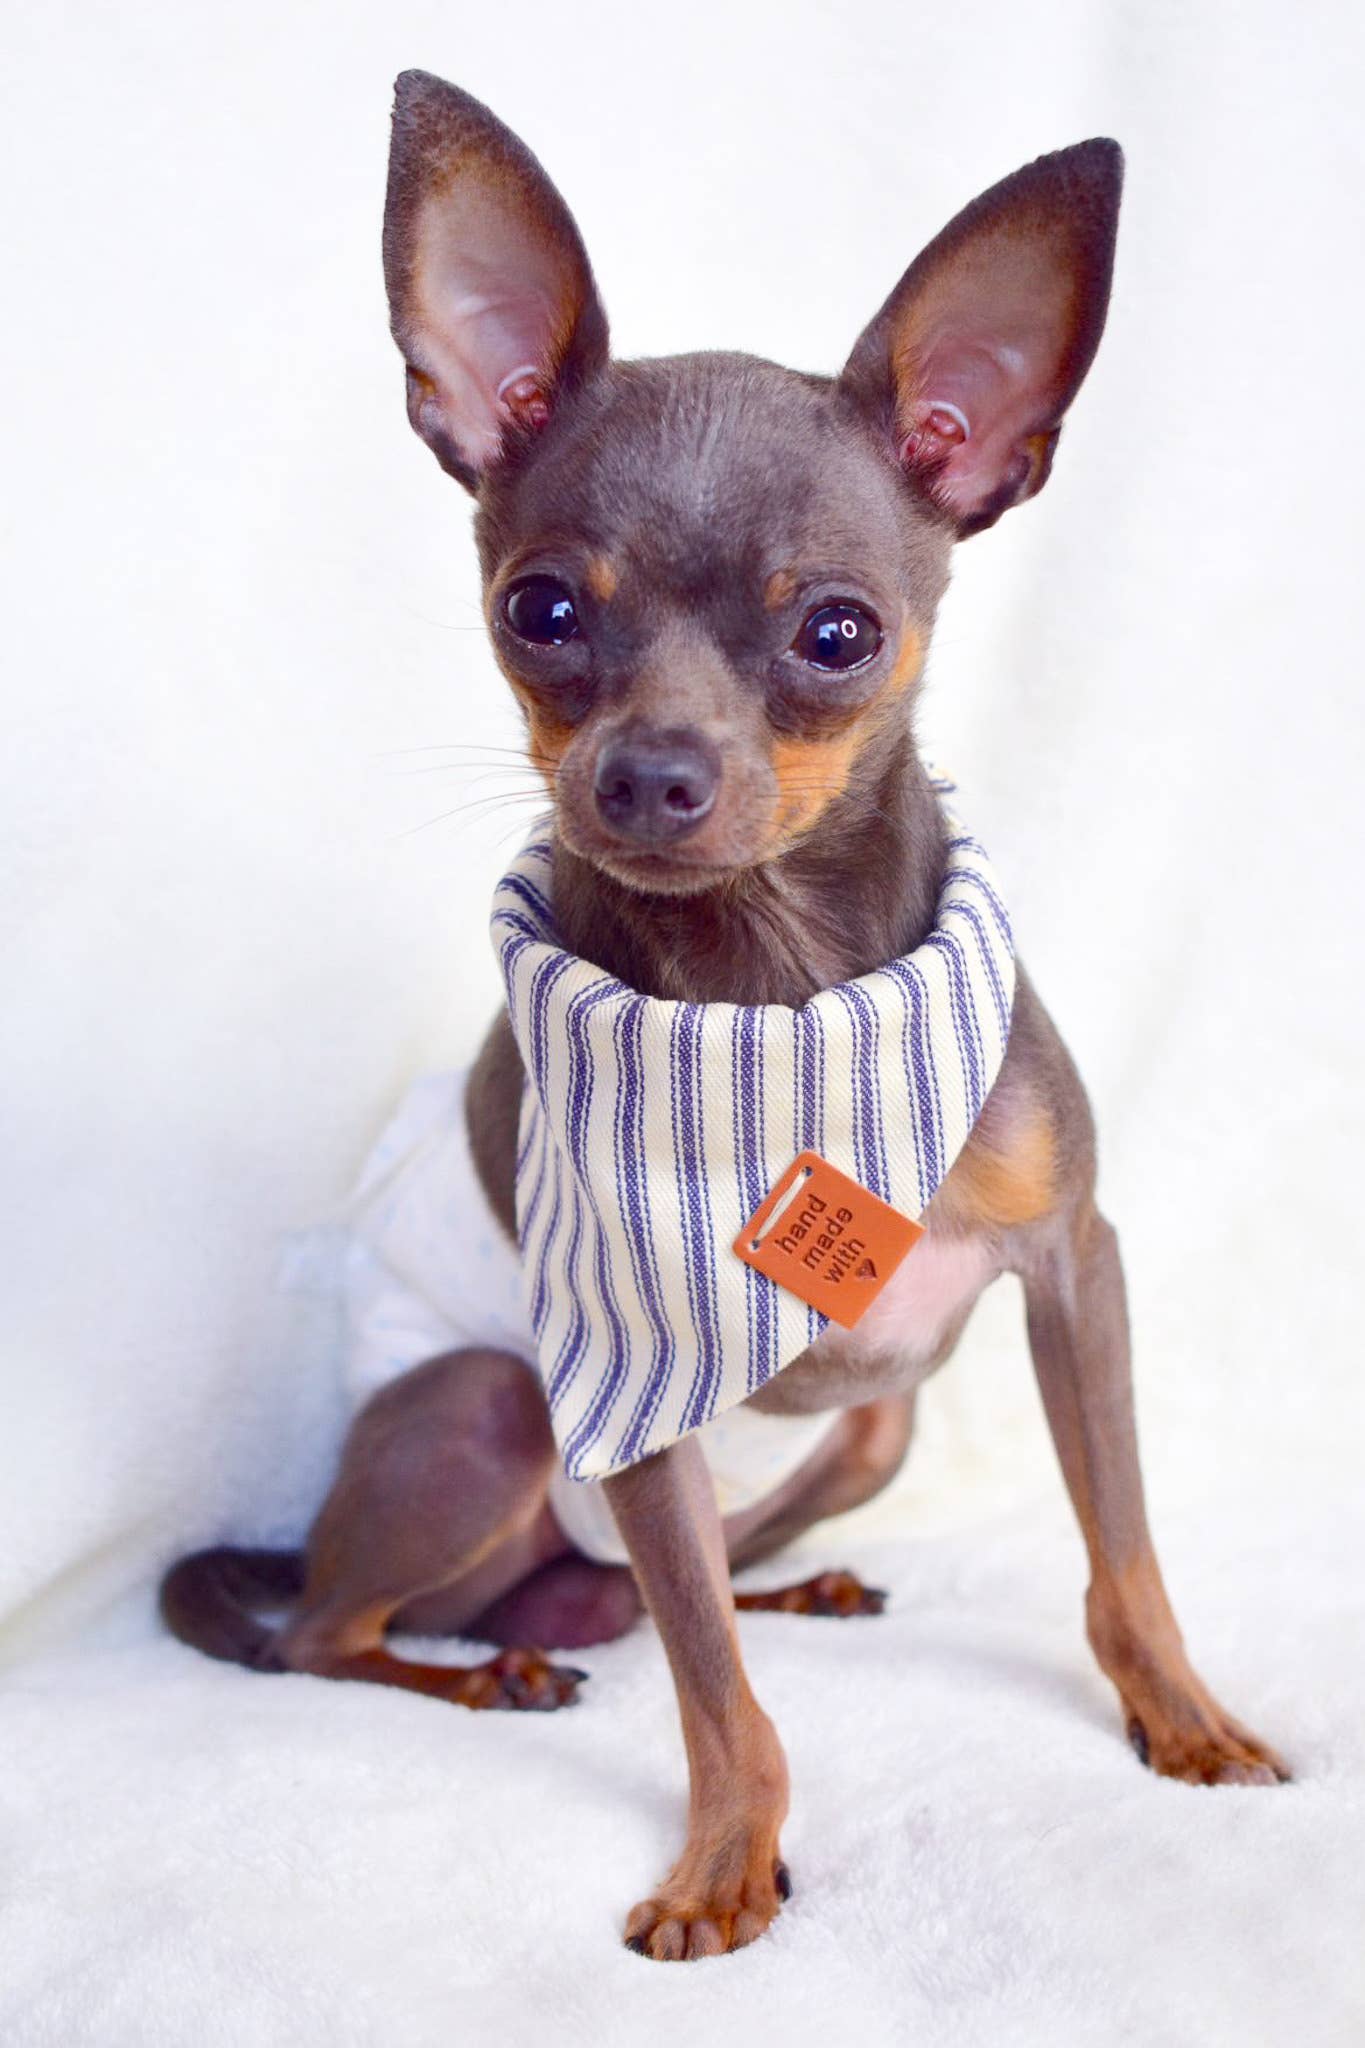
(978, 352)
(491, 296)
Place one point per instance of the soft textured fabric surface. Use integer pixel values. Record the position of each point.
(235, 586)
(653, 1132)
(196, 1854)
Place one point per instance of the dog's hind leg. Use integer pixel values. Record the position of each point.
(836, 1594)
(861, 1455)
(568, 1604)
(441, 1488)
(573, 1601)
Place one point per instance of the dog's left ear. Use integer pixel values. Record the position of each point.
(972, 362)
(491, 295)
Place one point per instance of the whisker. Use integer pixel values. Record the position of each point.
(441, 625)
(476, 771)
(450, 746)
(478, 805)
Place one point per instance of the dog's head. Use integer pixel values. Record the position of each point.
(711, 581)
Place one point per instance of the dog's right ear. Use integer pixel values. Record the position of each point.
(491, 297)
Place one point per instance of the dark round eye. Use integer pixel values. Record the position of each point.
(838, 636)
(541, 610)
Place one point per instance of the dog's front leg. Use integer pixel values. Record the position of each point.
(729, 1882)
(1078, 1331)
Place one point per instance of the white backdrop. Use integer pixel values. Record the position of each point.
(237, 587)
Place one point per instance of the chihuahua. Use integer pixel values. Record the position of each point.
(711, 584)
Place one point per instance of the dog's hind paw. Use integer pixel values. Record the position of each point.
(836, 1593)
(520, 1681)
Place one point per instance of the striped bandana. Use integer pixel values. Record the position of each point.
(652, 1131)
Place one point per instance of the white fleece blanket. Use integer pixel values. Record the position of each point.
(194, 1854)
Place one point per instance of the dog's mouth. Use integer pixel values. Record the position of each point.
(651, 870)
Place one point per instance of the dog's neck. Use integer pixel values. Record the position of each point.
(856, 892)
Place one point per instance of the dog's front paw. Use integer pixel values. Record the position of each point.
(681, 1923)
(1207, 1748)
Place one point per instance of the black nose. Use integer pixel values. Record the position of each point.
(656, 786)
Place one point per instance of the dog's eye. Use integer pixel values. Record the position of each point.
(541, 610)
(838, 636)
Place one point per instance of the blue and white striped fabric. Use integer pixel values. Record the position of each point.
(652, 1130)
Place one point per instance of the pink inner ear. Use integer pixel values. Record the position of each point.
(989, 346)
(492, 306)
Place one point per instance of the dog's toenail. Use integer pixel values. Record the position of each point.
(636, 1944)
(782, 1878)
(1137, 1735)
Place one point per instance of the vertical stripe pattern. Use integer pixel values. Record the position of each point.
(652, 1130)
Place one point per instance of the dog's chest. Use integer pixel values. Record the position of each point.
(932, 1286)
(899, 1339)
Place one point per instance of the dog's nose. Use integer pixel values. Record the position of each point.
(656, 786)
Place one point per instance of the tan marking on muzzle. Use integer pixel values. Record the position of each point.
(547, 739)
(812, 773)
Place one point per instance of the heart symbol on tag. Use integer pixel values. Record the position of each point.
(817, 1231)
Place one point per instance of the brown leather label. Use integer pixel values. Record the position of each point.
(825, 1238)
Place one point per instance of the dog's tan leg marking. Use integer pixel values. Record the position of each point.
(1078, 1331)
(524, 1681)
(729, 1882)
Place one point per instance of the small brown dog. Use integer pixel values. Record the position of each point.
(711, 584)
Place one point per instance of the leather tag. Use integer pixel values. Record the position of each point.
(825, 1238)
